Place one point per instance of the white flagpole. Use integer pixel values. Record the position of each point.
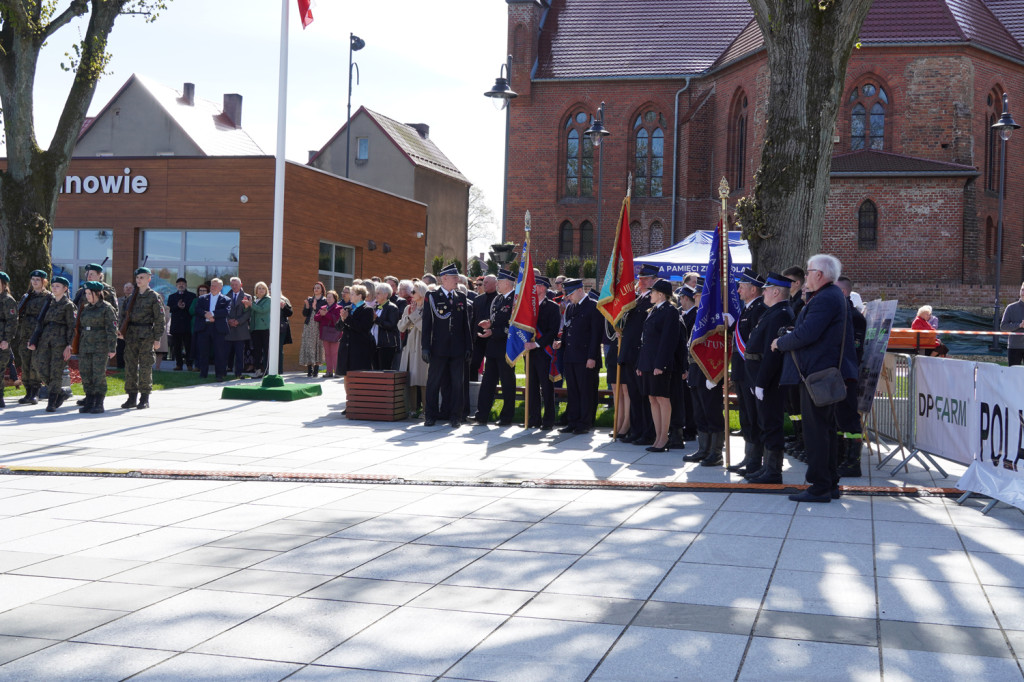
(275, 276)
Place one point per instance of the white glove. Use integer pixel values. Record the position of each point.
(759, 393)
(729, 319)
(710, 384)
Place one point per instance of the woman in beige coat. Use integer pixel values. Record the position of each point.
(412, 324)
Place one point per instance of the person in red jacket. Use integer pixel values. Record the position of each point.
(921, 323)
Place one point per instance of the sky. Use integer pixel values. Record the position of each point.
(423, 63)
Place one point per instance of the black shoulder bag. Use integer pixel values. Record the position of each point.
(826, 386)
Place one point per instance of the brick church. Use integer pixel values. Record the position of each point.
(913, 207)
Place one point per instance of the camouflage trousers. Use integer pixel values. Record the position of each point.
(139, 358)
(23, 358)
(5, 358)
(48, 365)
(93, 368)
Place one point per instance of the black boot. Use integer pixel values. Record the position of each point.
(849, 466)
(132, 400)
(309, 370)
(51, 402)
(703, 443)
(61, 397)
(796, 449)
(83, 401)
(714, 457)
(31, 396)
(676, 439)
(772, 468)
(97, 404)
(751, 459)
(86, 403)
(2, 403)
(143, 401)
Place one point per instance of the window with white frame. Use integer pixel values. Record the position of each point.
(196, 255)
(72, 250)
(337, 265)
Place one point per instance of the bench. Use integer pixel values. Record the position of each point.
(912, 341)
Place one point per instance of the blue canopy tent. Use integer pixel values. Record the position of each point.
(693, 253)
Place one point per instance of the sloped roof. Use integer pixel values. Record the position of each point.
(872, 162)
(421, 151)
(203, 122)
(1011, 15)
(623, 38)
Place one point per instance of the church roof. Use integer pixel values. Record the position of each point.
(874, 163)
(595, 39)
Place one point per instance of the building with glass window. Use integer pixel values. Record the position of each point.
(162, 177)
(913, 203)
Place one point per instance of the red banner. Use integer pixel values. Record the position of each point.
(618, 293)
(305, 13)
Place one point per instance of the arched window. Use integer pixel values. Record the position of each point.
(586, 239)
(649, 155)
(657, 236)
(579, 157)
(867, 116)
(737, 160)
(867, 225)
(565, 239)
(993, 111)
(636, 237)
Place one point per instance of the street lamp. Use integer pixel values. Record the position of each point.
(355, 43)
(1005, 127)
(597, 133)
(501, 94)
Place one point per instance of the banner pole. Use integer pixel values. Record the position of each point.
(723, 193)
(618, 387)
(526, 391)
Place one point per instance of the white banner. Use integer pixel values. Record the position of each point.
(945, 422)
(998, 470)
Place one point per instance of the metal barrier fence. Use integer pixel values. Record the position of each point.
(892, 414)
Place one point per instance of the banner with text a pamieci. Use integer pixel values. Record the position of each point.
(945, 421)
(998, 466)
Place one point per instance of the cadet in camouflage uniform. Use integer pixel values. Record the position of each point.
(8, 327)
(52, 348)
(29, 307)
(94, 273)
(145, 325)
(97, 343)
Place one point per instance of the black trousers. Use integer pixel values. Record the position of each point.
(749, 425)
(208, 340)
(1015, 356)
(581, 386)
(238, 350)
(771, 418)
(541, 388)
(641, 423)
(847, 417)
(707, 407)
(450, 371)
(180, 349)
(479, 351)
(119, 356)
(495, 370)
(820, 444)
(260, 348)
(385, 358)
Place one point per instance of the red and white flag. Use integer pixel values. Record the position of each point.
(306, 12)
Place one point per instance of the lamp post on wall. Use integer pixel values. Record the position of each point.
(597, 133)
(1005, 127)
(501, 95)
(355, 43)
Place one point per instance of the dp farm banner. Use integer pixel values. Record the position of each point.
(998, 466)
(945, 421)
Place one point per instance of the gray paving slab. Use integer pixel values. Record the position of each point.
(475, 599)
(319, 673)
(506, 569)
(587, 609)
(76, 567)
(724, 620)
(943, 603)
(623, 577)
(12, 648)
(827, 594)
(729, 550)
(827, 557)
(369, 591)
(328, 556)
(735, 586)
(112, 595)
(474, 533)
(945, 639)
(53, 622)
(79, 662)
(787, 659)
(816, 628)
(662, 655)
(906, 666)
(216, 669)
(171, 575)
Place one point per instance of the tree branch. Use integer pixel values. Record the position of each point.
(76, 9)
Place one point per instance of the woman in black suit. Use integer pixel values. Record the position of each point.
(386, 327)
(657, 355)
(357, 348)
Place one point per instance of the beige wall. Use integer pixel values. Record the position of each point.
(447, 203)
(387, 168)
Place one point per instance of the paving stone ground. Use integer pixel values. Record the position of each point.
(111, 578)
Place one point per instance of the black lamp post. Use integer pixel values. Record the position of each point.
(501, 94)
(597, 133)
(1005, 127)
(355, 43)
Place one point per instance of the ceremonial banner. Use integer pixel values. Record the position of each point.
(709, 337)
(998, 466)
(944, 415)
(618, 293)
(306, 12)
(879, 315)
(523, 326)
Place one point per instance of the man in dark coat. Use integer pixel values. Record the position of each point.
(814, 345)
(181, 325)
(212, 315)
(481, 307)
(581, 341)
(764, 369)
(446, 346)
(494, 330)
(539, 384)
(851, 435)
(749, 286)
(641, 425)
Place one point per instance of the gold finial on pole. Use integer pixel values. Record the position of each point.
(527, 227)
(723, 194)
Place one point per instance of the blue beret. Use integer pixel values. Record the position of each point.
(94, 286)
(38, 273)
(61, 280)
(4, 277)
(95, 267)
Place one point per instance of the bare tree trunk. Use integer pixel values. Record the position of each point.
(808, 45)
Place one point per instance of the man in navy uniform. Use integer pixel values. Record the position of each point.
(446, 346)
(494, 330)
(481, 311)
(581, 342)
(749, 286)
(538, 381)
(815, 342)
(212, 309)
(641, 425)
(764, 369)
(181, 325)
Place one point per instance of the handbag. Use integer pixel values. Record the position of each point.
(826, 386)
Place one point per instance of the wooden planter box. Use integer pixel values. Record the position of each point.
(376, 396)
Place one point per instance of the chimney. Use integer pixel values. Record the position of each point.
(312, 153)
(188, 94)
(422, 128)
(233, 109)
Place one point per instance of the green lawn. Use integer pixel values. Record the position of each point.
(115, 383)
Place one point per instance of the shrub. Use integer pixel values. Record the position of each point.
(552, 268)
